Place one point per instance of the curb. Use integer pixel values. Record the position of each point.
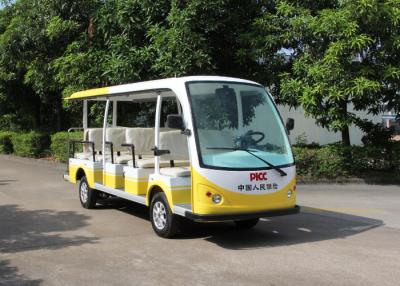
(351, 180)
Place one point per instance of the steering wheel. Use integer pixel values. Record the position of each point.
(251, 133)
(247, 141)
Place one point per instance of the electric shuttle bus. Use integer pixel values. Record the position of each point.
(213, 149)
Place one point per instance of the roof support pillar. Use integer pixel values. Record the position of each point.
(114, 117)
(85, 115)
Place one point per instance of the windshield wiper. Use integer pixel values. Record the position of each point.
(279, 170)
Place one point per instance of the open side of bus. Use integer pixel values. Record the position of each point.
(163, 165)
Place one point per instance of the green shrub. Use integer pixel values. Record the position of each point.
(376, 158)
(305, 159)
(32, 144)
(395, 156)
(335, 160)
(59, 144)
(6, 146)
(331, 161)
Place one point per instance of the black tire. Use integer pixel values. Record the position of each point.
(89, 200)
(247, 223)
(163, 221)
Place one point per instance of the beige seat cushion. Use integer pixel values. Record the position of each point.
(176, 171)
(149, 163)
(88, 156)
(83, 155)
(176, 143)
(142, 139)
(94, 135)
(123, 158)
(116, 135)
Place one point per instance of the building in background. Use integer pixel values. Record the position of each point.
(305, 127)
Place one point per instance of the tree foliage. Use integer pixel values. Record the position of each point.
(321, 55)
(340, 54)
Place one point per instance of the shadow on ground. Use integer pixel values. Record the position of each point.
(23, 229)
(10, 276)
(6, 182)
(311, 225)
(132, 208)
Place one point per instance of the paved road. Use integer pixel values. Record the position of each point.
(346, 235)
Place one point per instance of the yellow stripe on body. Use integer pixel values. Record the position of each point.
(136, 180)
(92, 175)
(113, 181)
(175, 194)
(89, 93)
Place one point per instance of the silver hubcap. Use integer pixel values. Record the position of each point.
(159, 215)
(84, 192)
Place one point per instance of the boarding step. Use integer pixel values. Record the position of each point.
(181, 209)
(141, 199)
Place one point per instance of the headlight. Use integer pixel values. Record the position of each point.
(289, 194)
(216, 199)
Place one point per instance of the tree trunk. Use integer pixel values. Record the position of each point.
(345, 129)
(346, 136)
(58, 112)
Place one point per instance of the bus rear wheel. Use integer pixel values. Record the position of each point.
(247, 223)
(163, 221)
(87, 195)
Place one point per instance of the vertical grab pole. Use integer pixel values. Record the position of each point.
(85, 115)
(114, 118)
(85, 125)
(104, 133)
(157, 134)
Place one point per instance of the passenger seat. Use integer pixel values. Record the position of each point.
(178, 157)
(116, 135)
(93, 135)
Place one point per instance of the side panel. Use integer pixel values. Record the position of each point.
(93, 171)
(113, 181)
(136, 180)
(113, 176)
(177, 190)
(242, 191)
(136, 187)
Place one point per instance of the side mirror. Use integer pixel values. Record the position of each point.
(175, 121)
(289, 124)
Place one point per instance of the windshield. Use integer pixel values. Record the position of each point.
(234, 121)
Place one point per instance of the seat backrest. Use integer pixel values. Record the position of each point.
(176, 143)
(95, 135)
(142, 138)
(85, 138)
(116, 135)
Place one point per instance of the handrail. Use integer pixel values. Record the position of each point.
(75, 128)
(73, 142)
(69, 147)
(132, 147)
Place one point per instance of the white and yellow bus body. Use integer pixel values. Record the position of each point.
(224, 156)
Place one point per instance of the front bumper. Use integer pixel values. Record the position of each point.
(242, 216)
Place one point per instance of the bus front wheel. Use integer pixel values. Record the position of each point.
(163, 221)
(87, 195)
(247, 223)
